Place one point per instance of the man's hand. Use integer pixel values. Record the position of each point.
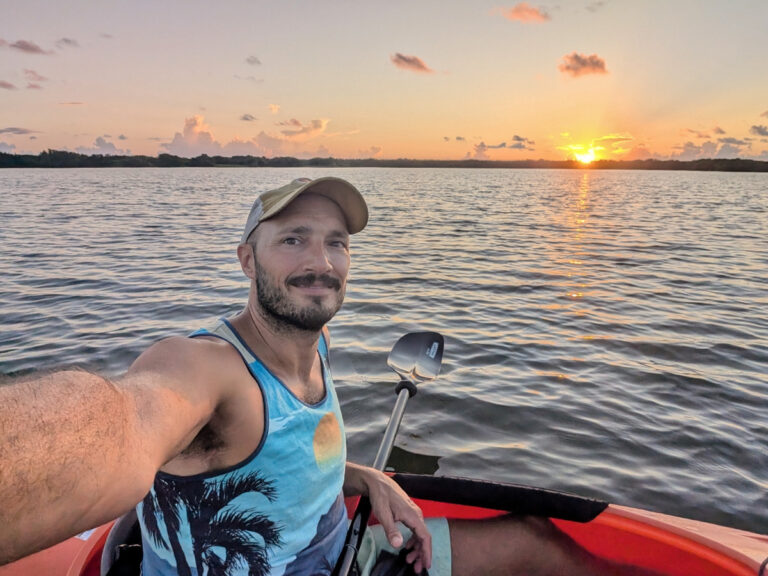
(391, 505)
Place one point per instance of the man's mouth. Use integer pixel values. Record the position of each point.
(315, 281)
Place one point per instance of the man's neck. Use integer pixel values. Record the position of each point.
(287, 351)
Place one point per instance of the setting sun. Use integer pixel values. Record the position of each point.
(587, 157)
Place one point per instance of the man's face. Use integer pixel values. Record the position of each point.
(301, 263)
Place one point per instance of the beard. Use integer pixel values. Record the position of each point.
(282, 313)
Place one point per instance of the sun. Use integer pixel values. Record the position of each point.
(587, 157)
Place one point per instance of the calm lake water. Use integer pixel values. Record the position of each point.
(606, 332)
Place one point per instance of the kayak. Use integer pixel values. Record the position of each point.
(668, 544)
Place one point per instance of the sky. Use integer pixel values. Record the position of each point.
(421, 79)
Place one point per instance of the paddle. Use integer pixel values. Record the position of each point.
(416, 358)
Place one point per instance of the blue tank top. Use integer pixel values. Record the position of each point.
(280, 511)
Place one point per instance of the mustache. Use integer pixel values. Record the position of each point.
(310, 279)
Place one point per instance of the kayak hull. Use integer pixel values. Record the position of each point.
(667, 544)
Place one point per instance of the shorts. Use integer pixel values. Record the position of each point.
(375, 541)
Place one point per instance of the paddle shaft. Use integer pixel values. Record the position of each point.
(363, 510)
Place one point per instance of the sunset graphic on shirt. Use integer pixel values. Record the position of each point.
(327, 441)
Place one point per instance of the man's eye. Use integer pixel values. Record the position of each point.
(339, 244)
(291, 241)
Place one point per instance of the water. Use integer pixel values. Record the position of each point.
(606, 332)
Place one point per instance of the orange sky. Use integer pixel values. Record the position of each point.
(445, 80)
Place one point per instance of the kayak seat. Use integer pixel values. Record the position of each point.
(121, 555)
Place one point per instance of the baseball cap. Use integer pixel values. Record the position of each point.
(349, 199)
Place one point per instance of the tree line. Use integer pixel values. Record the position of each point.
(65, 159)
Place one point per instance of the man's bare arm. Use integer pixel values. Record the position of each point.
(77, 450)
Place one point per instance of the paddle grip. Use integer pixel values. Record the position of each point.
(406, 385)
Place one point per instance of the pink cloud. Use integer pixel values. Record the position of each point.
(301, 131)
(33, 86)
(7, 85)
(580, 65)
(412, 63)
(524, 12)
(764, 114)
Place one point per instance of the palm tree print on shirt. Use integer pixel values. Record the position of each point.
(225, 538)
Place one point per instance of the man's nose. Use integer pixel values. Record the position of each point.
(318, 259)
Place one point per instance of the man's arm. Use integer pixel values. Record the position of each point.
(77, 449)
(391, 504)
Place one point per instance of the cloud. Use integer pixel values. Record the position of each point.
(480, 152)
(253, 61)
(764, 114)
(250, 79)
(16, 131)
(524, 12)
(71, 103)
(7, 148)
(301, 131)
(734, 141)
(274, 108)
(248, 118)
(372, 152)
(460, 139)
(691, 151)
(580, 65)
(107, 36)
(28, 47)
(67, 43)
(33, 86)
(718, 130)
(759, 130)
(412, 63)
(446, 138)
(7, 85)
(33, 76)
(698, 134)
(728, 151)
(122, 137)
(195, 140)
(102, 146)
(595, 6)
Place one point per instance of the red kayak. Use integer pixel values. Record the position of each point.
(667, 544)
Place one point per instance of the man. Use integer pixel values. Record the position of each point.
(230, 443)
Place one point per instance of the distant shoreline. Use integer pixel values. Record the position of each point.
(63, 159)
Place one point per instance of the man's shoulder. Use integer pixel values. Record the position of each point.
(190, 357)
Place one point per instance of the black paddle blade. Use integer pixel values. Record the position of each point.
(417, 356)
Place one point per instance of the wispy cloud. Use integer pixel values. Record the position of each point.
(595, 6)
(460, 139)
(297, 130)
(248, 118)
(718, 130)
(524, 12)
(372, 152)
(17, 131)
(7, 85)
(28, 47)
(250, 79)
(33, 76)
(412, 63)
(764, 114)
(759, 130)
(71, 103)
(67, 43)
(580, 65)
(734, 141)
(122, 137)
(518, 143)
(274, 108)
(697, 133)
(33, 86)
(104, 147)
(253, 61)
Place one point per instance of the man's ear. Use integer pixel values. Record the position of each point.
(247, 260)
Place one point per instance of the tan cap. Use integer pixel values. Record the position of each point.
(349, 199)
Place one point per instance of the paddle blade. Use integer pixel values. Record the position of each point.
(417, 356)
